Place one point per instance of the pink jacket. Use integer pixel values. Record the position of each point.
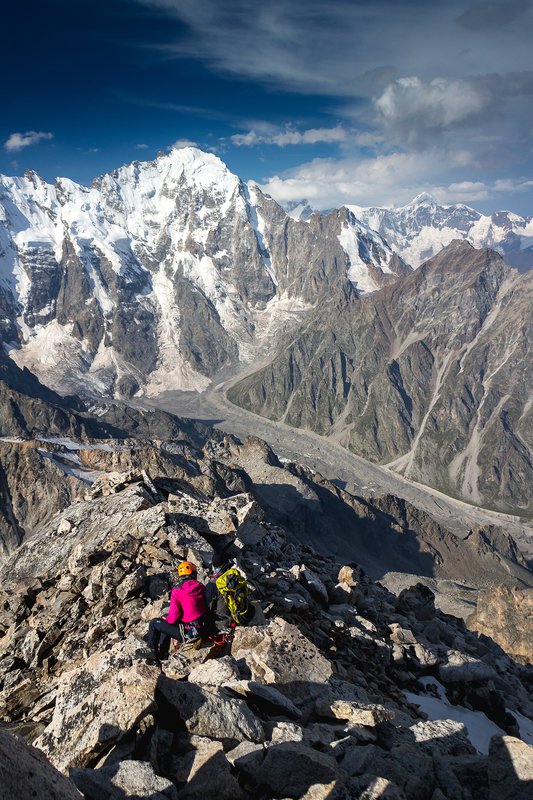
(187, 602)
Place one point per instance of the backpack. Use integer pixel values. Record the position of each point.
(234, 590)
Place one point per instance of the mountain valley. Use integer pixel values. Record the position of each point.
(187, 370)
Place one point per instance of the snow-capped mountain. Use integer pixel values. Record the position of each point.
(421, 229)
(163, 272)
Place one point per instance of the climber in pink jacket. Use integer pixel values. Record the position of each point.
(185, 616)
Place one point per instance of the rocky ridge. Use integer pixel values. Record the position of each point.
(321, 697)
(430, 376)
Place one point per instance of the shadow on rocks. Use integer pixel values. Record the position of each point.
(299, 739)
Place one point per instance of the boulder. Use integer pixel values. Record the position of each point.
(446, 736)
(371, 787)
(291, 768)
(462, 776)
(349, 575)
(26, 773)
(127, 779)
(210, 712)
(314, 585)
(510, 769)
(97, 704)
(247, 757)
(215, 672)
(407, 767)
(279, 654)
(354, 713)
(418, 600)
(462, 668)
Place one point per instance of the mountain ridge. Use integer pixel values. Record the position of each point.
(162, 273)
(430, 376)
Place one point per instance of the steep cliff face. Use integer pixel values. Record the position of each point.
(161, 273)
(431, 376)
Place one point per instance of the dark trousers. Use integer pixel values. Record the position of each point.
(160, 632)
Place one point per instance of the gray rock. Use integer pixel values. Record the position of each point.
(216, 672)
(372, 787)
(510, 769)
(290, 769)
(281, 655)
(97, 704)
(357, 758)
(212, 713)
(446, 736)
(25, 773)
(354, 713)
(247, 758)
(209, 774)
(135, 780)
(462, 668)
(267, 697)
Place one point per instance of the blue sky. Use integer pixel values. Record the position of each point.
(365, 102)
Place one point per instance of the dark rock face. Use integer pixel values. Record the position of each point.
(431, 376)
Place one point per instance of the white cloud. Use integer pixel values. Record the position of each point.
(290, 136)
(141, 147)
(18, 141)
(179, 144)
(386, 180)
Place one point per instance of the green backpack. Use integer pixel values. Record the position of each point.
(234, 589)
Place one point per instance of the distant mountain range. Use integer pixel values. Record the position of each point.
(422, 228)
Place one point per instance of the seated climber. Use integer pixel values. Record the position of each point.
(185, 617)
(226, 595)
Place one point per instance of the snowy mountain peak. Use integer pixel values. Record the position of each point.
(423, 199)
(163, 272)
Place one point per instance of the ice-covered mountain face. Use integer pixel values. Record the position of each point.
(161, 273)
(418, 231)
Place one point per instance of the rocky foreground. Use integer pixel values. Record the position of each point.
(322, 698)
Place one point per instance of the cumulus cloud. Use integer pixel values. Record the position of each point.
(290, 136)
(327, 182)
(18, 141)
(387, 180)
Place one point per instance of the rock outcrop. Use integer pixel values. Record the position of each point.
(505, 616)
(324, 698)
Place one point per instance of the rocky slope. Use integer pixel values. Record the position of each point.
(342, 690)
(419, 230)
(162, 273)
(431, 376)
